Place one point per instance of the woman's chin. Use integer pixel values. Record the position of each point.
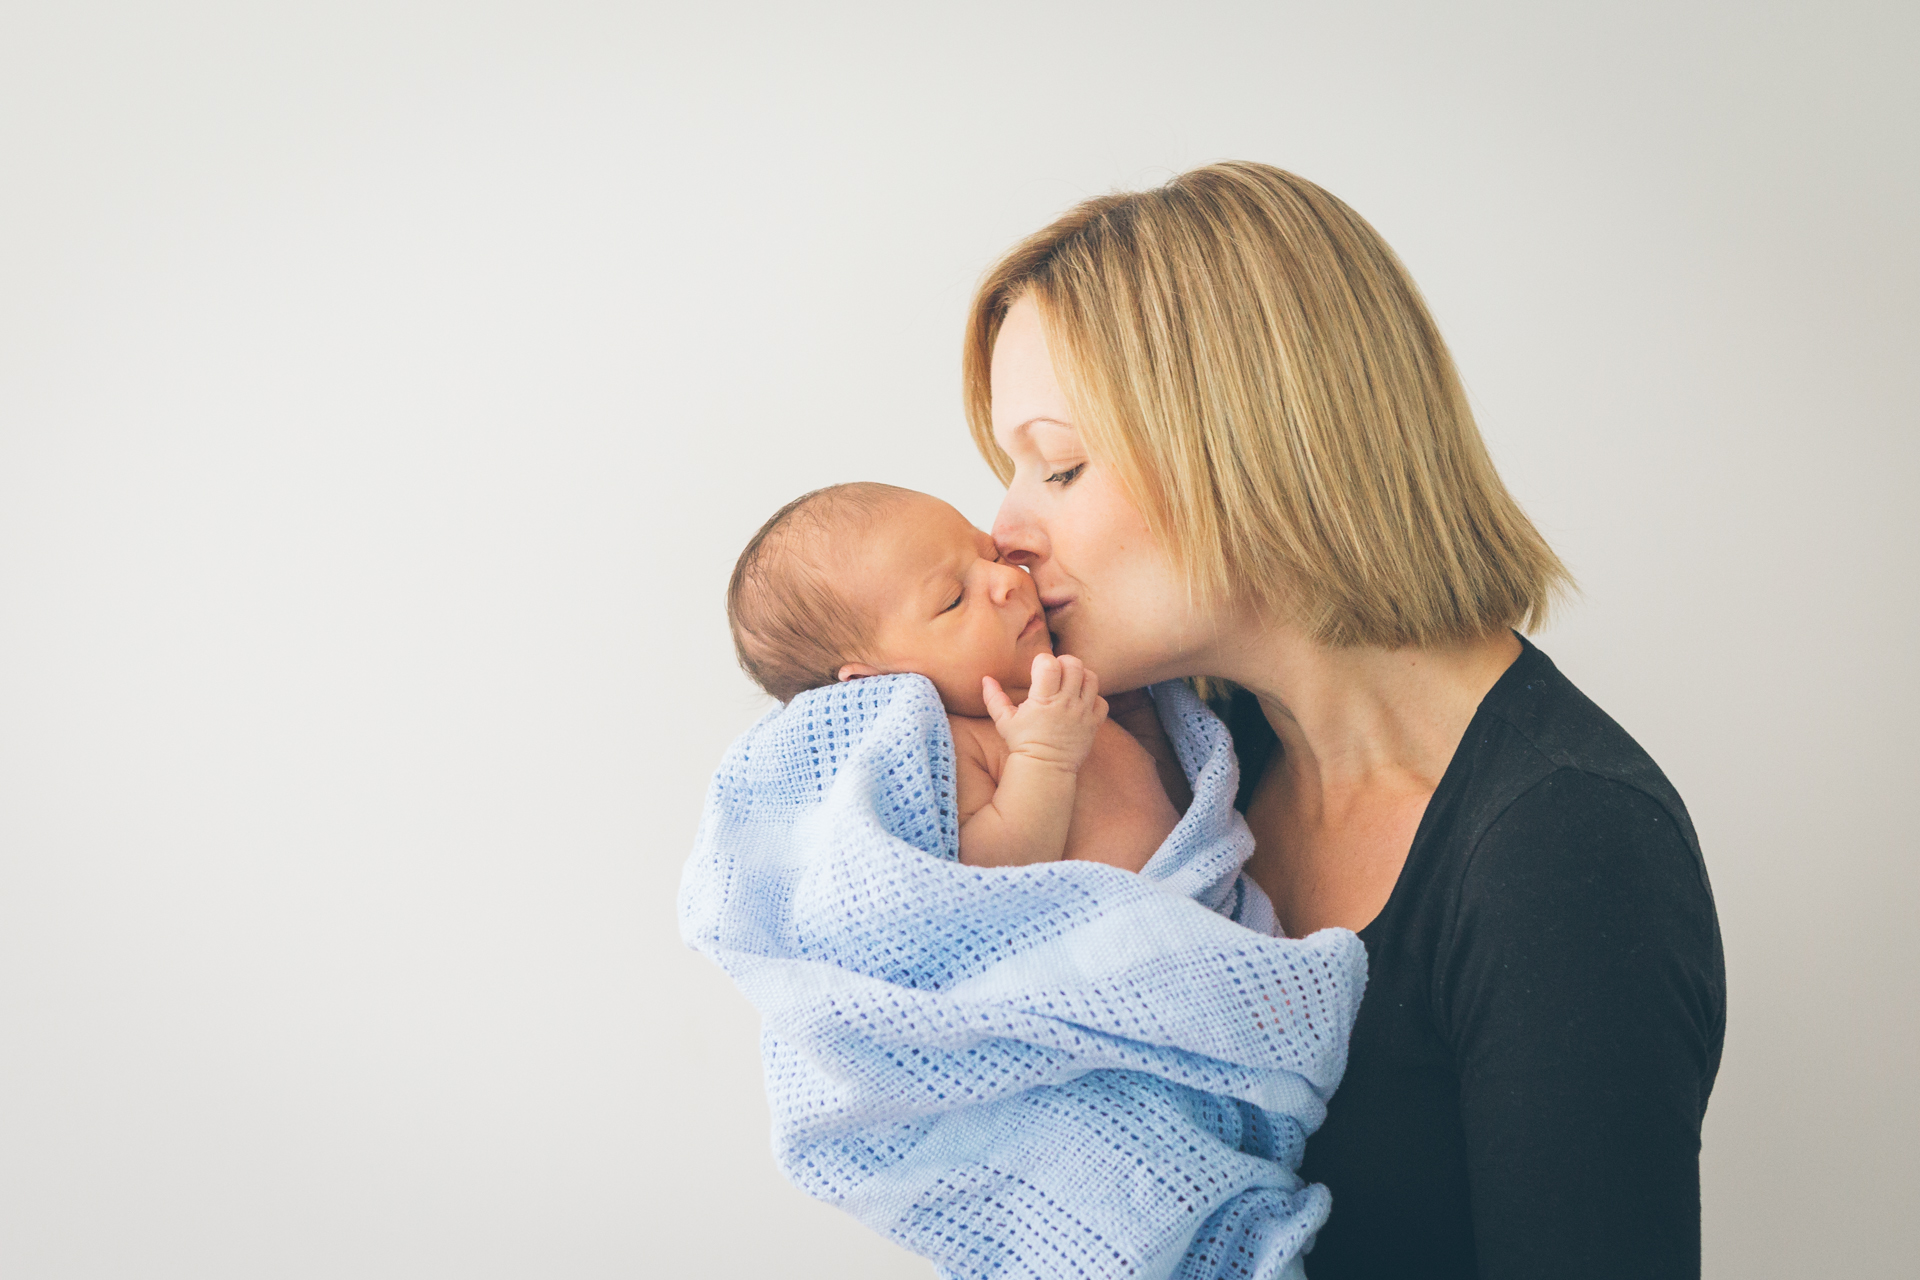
(1070, 640)
(1115, 671)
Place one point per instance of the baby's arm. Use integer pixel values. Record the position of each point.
(1048, 737)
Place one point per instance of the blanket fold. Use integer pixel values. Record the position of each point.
(1046, 1071)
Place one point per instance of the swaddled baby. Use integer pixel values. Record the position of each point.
(867, 579)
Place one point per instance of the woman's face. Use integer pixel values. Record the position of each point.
(1112, 597)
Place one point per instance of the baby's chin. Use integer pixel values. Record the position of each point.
(964, 696)
(962, 692)
(975, 703)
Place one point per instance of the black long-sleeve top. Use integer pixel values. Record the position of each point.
(1545, 1005)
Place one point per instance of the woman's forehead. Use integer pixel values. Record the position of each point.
(1024, 386)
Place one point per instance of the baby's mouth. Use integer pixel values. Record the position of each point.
(1039, 619)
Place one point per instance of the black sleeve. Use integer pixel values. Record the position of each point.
(1584, 995)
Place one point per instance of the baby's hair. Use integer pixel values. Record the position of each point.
(793, 627)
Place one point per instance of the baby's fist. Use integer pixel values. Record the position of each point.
(1057, 722)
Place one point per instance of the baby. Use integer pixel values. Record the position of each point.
(866, 579)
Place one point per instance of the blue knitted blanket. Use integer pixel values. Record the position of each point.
(1047, 1071)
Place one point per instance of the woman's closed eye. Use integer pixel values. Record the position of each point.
(1067, 476)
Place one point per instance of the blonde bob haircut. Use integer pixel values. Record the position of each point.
(1259, 371)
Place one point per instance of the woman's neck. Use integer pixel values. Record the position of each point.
(1350, 720)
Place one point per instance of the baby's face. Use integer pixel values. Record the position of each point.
(948, 607)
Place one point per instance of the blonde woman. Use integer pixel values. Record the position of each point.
(1236, 448)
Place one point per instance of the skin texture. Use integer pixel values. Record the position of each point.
(1042, 773)
(1365, 733)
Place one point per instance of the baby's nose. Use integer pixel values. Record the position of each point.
(1006, 581)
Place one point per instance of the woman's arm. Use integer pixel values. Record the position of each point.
(1584, 993)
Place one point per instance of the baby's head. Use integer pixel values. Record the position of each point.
(867, 579)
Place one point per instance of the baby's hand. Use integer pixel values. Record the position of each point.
(1057, 722)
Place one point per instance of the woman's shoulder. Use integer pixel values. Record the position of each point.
(1571, 842)
(1552, 818)
(1561, 858)
(1538, 742)
(1548, 810)
(1567, 729)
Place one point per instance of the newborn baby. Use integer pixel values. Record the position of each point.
(867, 579)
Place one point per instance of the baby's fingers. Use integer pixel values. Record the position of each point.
(1072, 674)
(999, 705)
(1046, 676)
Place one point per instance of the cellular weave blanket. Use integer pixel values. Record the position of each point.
(1062, 1070)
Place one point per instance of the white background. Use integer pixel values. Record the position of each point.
(386, 389)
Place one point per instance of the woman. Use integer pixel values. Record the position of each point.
(1236, 448)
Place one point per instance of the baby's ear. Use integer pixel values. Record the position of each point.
(854, 670)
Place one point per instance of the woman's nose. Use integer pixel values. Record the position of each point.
(1019, 537)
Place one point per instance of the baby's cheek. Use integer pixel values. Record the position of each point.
(1017, 666)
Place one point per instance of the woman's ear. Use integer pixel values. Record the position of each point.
(854, 670)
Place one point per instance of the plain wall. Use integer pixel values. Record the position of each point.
(386, 389)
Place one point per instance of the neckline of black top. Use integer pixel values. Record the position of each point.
(1518, 672)
(1255, 742)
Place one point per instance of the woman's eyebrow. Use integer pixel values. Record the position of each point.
(1052, 436)
(1026, 428)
